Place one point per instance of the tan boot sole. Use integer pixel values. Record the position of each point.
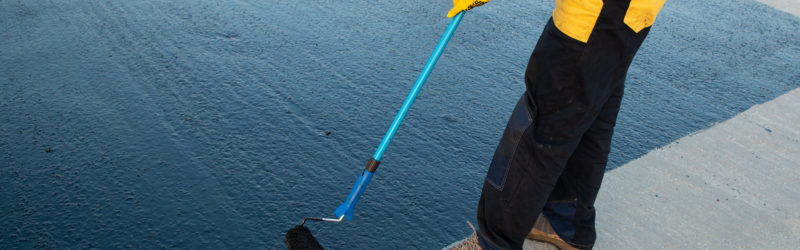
(542, 231)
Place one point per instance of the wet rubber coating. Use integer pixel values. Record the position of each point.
(221, 124)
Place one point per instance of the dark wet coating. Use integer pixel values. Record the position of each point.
(220, 124)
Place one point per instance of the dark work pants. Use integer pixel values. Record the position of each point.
(554, 150)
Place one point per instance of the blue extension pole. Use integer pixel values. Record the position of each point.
(346, 208)
(423, 76)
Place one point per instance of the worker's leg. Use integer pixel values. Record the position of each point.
(609, 53)
(568, 83)
(570, 209)
(546, 126)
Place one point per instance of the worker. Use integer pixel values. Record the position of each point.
(547, 168)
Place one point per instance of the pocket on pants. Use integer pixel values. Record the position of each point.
(521, 120)
(576, 18)
(642, 13)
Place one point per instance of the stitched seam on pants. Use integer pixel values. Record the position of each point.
(524, 171)
(513, 152)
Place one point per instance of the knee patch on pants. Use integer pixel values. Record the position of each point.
(521, 121)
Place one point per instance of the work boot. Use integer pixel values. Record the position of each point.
(543, 231)
(469, 243)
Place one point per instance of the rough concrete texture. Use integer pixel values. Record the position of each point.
(790, 6)
(538, 245)
(733, 186)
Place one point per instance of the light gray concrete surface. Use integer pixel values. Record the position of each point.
(538, 245)
(791, 6)
(733, 186)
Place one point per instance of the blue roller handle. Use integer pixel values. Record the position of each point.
(346, 208)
